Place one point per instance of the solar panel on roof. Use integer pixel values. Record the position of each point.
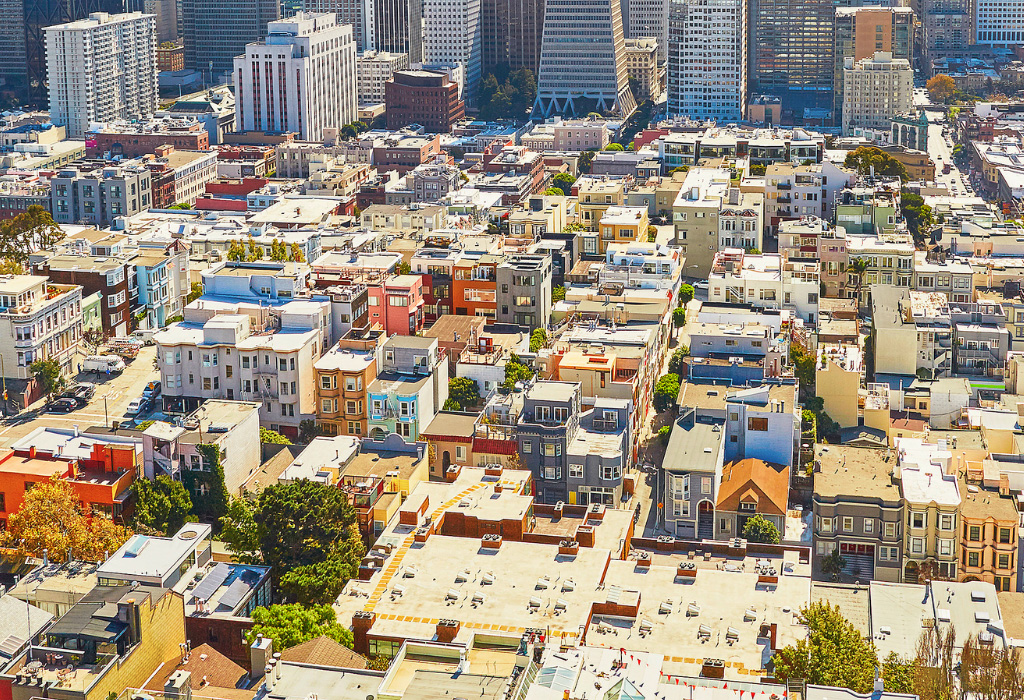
(212, 582)
(234, 594)
(136, 545)
(10, 646)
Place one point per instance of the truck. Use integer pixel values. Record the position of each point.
(103, 364)
(945, 168)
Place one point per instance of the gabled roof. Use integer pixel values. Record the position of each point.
(751, 480)
(324, 651)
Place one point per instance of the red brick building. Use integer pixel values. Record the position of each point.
(145, 139)
(423, 97)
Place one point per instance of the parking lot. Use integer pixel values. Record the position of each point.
(113, 394)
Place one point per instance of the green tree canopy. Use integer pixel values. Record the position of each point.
(553, 192)
(760, 529)
(291, 625)
(665, 392)
(538, 339)
(48, 374)
(834, 652)
(508, 96)
(864, 157)
(29, 231)
(679, 317)
(161, 505)
(564, 182)
(558, 294)
(463, 393)
(675, 363)
(897, 673)
(614, 147)
(516, 371)
(273, 437)
(685, 294)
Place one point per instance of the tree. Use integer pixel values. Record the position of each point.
(990, 673)
(291, 625)
(48, 374)
(52, 518)
(652, 234)
(206, 485)
(586, 161)
(935, 664)
(685, 294)
(917, 214)
(834, 652)
(538, 339)
(760, 529)
(307, 532)
(515, 371)
(308, 430)
(463, 393)
(161, 505)
(558, 294)
(32, 230)
(184, 206)
(564, 182)
(278, 251)
(239, 531)
(272, 437)
(858, 267)
(864, 158)
(834, 563)
(897, 674)
(295, 253)
(574, 226)
(679, 317)
(678, 359)
(803, 368)
(758, 169)
(403, 268)
(553, 192)
(93, 338)
(507, 95)
(11, 267)
(195, 292)
(665, 392)
(614, 147)
(941, 88)
(236, 252)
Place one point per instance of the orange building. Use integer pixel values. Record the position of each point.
(474, 287)
(342, 376)
(102, 481)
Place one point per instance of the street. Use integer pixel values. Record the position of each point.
(941, 150)
(113, 392)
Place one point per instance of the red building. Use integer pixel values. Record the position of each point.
(139, 140)
(423, 97)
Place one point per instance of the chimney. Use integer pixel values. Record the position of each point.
(260, 653)
(277, 665)
(362, 622)
(178, 686)
(447, 631)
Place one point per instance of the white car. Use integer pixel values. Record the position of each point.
(701, 284)
(134, 407)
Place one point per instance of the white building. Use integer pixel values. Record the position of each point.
(38, 321)
(649, 18)
(875, 90)
(998, 22)
(308, 83)
(707, 59)
(765, 281)
(453, 36)
(373, 70)
(102, 69)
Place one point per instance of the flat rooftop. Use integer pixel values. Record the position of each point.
(146, 556)
(855, 472)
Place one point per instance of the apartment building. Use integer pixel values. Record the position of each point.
(621, 225)
(180, 177)
(859, 510)
(453, 36)
(794, 191)
(951, 277)
(546, 426)
(579, 135)
(112, 275)
(741, 220)
(875, 90)
(101, 69)
(815, 238)
(474, 286)
(927, 475)
(642, 266)
(594, 195)
(860, 32)
(373, 70)
(751, 487)
(312, 63)
(766, 281)
(693, 465)
(423, 97)
(643, 60)
(98, 195)
(39, 320)
(410, 388)
(988, 531)
(343, 375)
(695, 217)
(523, 290)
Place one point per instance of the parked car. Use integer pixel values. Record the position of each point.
(83, 391)
(138, 406)
(152, 390)
(61, 406)
(146, 336)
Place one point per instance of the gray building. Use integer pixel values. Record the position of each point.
(858, 508)
(981, 339)
(524, 290)
(548, 423)
(598, 454)
(97, 196)
(692, 475)
(431, 182)
(214, 32)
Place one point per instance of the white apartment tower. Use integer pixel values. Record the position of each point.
(583, 60)
(875, 90)
(302, 78)
(999, 22)
(101, 69)
(452, 36)
(373, 70)
(707, 59)
(358, 13)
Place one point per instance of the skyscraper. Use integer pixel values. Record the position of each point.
(790, 51)
(215, 31)
(583, 60)
(101, 69)
(308, 84)
(398, 27)
(23, 45)
(648, 18)
(707, 59)
(998, 22)
(511, 32)
(358, 13)
(451, 36)
(860, 32)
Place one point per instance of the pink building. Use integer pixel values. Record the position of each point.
(397, 304)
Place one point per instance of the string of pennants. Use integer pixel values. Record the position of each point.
(669, 678)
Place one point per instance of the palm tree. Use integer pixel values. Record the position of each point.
(858, 266)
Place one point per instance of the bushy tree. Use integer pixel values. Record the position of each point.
(161, 505)
(679, 317)
(665, 392)
(941, 88)
(864, 157)
(463, 393)
(52, 518)
(308, 430)
(516, 371)
(834, 652)
(48, 374)
(508, 96)
(291, 625)
(558, 294)
(273, 437)
(760, 529)
(239, 531)
(11, 267)
(538, 339)
(833, 563)
(614, 147)
(685, 294)
(897, 674)
(678, 359)
(32, 230)
(564, 182)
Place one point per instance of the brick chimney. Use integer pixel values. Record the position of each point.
(362, 621)
(447, 630)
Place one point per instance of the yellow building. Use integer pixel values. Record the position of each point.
(342, 377)
(116, 637)
(622, 225)
(988, 530)
(595, 193)
(837, 381)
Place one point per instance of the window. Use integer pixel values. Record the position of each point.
(575, 471)
(245, 362)
(609, 473)
(847, 524)
(705, 485)
(974, 559)
(825, 525)
(946, 522)
(325, 381)
(869, 526)
(974, 533)
(759, 425)
(1005, 535)
(460, 453)
(945, 548)
(918, 520)
(1003, 561)
(527, 447)
(917, 545)
(551, 473)
(325, 405)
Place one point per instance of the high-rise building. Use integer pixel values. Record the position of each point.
(166, 12)
(583, 60)
(101, 69)
(790, 51)
(707, 59)
(875, 90)
(358, 13)
(451, 36)
(643, 65)
(307, 85)
(945, 27)
(428, 98)
(860, 32)
(646, 18)
(373, 70)
(215, 31)
(998, 22)
(398, 27)
(23, 45)
(511, 32)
